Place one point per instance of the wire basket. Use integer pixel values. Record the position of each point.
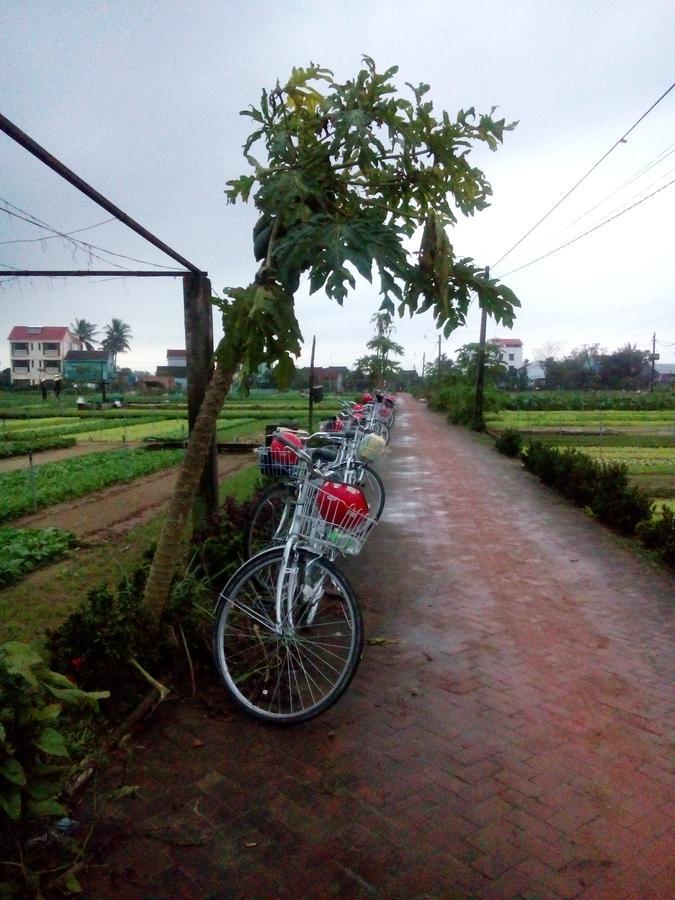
(278, 463)
(331, 523)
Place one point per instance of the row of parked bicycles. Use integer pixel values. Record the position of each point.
(288, 631)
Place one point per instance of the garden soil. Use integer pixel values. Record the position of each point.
(117, 509)
(508, 733)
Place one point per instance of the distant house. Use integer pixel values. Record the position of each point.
(664, 373)
(37, 352)
(511, 350)
(87, 366)
(534, 372)
(331, 378)
(174, 374)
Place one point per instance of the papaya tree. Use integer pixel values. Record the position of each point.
(354, 178)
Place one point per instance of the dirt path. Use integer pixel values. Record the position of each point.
(117, 509)
(510, 737)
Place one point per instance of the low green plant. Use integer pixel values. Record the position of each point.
(24, 549)
(39, 750)
(658, 534)
(38, 445)
(509, 442)
(601, 486)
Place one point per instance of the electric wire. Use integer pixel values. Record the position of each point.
(588, 231)
(583, 177)
(52, 237)
(642, 171)
(33, 220)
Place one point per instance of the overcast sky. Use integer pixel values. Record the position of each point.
(141, 99)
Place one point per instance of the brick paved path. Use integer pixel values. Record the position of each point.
(509, 739)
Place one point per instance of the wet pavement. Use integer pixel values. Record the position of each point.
(508, 733)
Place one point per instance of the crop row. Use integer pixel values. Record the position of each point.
(35, 487)
(590, 400)
(23, 448)
(589, 419)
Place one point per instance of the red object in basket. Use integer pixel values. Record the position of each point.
(341, 504)
(283, 455)
(367, 398)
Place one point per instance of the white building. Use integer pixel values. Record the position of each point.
(36, 352)
(511, 350)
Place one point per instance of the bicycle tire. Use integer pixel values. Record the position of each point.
(365, 477)
(271, 518)
(293, 677)
(381, 429)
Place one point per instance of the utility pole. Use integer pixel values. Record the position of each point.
(439, 356)
(311, 387)
(424, 364)
(654, 358)
(478, 422)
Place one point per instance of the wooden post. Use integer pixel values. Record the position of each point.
(199, 353)
(311, 387)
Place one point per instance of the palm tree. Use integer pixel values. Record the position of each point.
(116, 340)
(85, 331)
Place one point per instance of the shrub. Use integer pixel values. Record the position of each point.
(509, 442)
(658, 533)
(602, 487)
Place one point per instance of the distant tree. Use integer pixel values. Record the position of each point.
(377, 367)
(623, 369)
(116, 340)
(579, 370)
(85, 331)
(467, 362)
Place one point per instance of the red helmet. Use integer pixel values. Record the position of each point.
(367, 398)
(283, 455)
(341, 504)
(334, 424)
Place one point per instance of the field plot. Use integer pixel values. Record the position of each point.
(644, 441)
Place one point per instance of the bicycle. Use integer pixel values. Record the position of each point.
(271, 516)
(288, 632)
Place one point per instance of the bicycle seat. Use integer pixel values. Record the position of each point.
(323, 454)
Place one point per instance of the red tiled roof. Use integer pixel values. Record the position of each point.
(508, 342)
(35, 333)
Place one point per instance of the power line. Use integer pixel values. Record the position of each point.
(589, 231)
(642, 171)
(51, 237)
(583, 177)
(33, 220)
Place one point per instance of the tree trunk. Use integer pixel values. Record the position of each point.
(167, 555)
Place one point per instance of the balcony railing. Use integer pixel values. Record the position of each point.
(51, 353)
(20, 370)
(19, 354)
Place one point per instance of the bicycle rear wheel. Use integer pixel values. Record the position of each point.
(271, 519)
(294, 671)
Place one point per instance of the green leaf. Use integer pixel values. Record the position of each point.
(44, 788)
(41, 713)
(51, 742)
(38, 808)
(21, 659)
(13, 771)
(74, 696)
(73, 885)
(11, 803)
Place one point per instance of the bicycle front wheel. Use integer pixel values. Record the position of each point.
(363, 476)
(289, 671)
